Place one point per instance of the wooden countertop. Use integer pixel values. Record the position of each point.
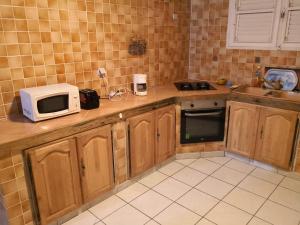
(18, 132)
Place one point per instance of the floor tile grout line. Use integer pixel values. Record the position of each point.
(152, 217)
(136, 182)
(297, 211)
(236, 186)
(155, 184)
(258, 167)
(265, 179)
(221, 200)
(111, 212)
(172, 201)
(255, 214)
(193, 187)
(175, 201)
(297, 192)
(255, 193)
(222, 164)
(198, 220)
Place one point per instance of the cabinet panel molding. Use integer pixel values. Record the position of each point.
(56, 179)
(276, 136)
(96, 162)
(142, 142)
(242, 128)
(263, 133)
(165, 128)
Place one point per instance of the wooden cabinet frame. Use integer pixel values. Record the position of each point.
(95, 156)
(156, 149)
(52, 206)
(73, 147)
(269, 134)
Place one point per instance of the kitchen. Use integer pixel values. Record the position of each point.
(151, 172)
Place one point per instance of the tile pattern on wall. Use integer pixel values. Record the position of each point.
(51, 41)
(13, 188)
(209, 58)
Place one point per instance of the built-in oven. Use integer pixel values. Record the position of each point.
(202, 121)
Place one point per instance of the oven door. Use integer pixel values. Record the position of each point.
(202, 125)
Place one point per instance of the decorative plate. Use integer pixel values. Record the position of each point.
(288, 78)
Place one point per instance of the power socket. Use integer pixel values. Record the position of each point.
(101, 72)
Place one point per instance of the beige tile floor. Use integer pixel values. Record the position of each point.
(210, 191)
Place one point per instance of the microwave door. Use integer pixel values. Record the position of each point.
(53, 104)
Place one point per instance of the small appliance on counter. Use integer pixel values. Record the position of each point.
(140, 84)
(89, 99)
(46, 102)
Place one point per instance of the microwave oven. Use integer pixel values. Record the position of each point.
(46, 102)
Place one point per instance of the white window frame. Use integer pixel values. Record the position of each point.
(281, 17)
(286, 9)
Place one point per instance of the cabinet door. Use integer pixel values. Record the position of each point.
(96, 162)
(276, 135)
(56, 179)
(142, 142)
(243, 122)
(165, 125)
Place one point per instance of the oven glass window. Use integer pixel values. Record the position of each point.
(53, 104)
(202, 126)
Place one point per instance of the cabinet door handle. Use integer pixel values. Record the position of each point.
(82, 167)
(282, 13)
(261, 132)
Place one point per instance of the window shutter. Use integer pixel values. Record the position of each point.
(253, 24)
(291, 31)
(294, 3)
(254, 28)
(246, 5)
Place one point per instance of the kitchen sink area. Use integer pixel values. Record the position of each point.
(293, 96)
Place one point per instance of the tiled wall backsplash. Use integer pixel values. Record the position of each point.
(209, 58)
(53, 41)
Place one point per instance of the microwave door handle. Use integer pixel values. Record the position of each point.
(202, 114)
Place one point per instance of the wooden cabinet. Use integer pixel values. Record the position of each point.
(63, 173)
(56, 179)
(165, 128)
(276, 131)
(263, 133)
(242, 128)
(151, 138)
(142, 142)
(96, 162)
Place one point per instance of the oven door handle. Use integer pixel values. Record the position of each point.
(202, 114)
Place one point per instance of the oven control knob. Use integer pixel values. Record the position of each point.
(192, 105)
(216, 103)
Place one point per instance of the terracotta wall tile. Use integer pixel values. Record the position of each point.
(50, 41)
(209, 58)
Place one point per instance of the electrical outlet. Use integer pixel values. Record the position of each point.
(101, 72)
(175, 16)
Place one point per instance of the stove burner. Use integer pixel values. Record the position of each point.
(185, 86)
(193, 86)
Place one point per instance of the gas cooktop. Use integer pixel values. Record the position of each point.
(194, 86)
